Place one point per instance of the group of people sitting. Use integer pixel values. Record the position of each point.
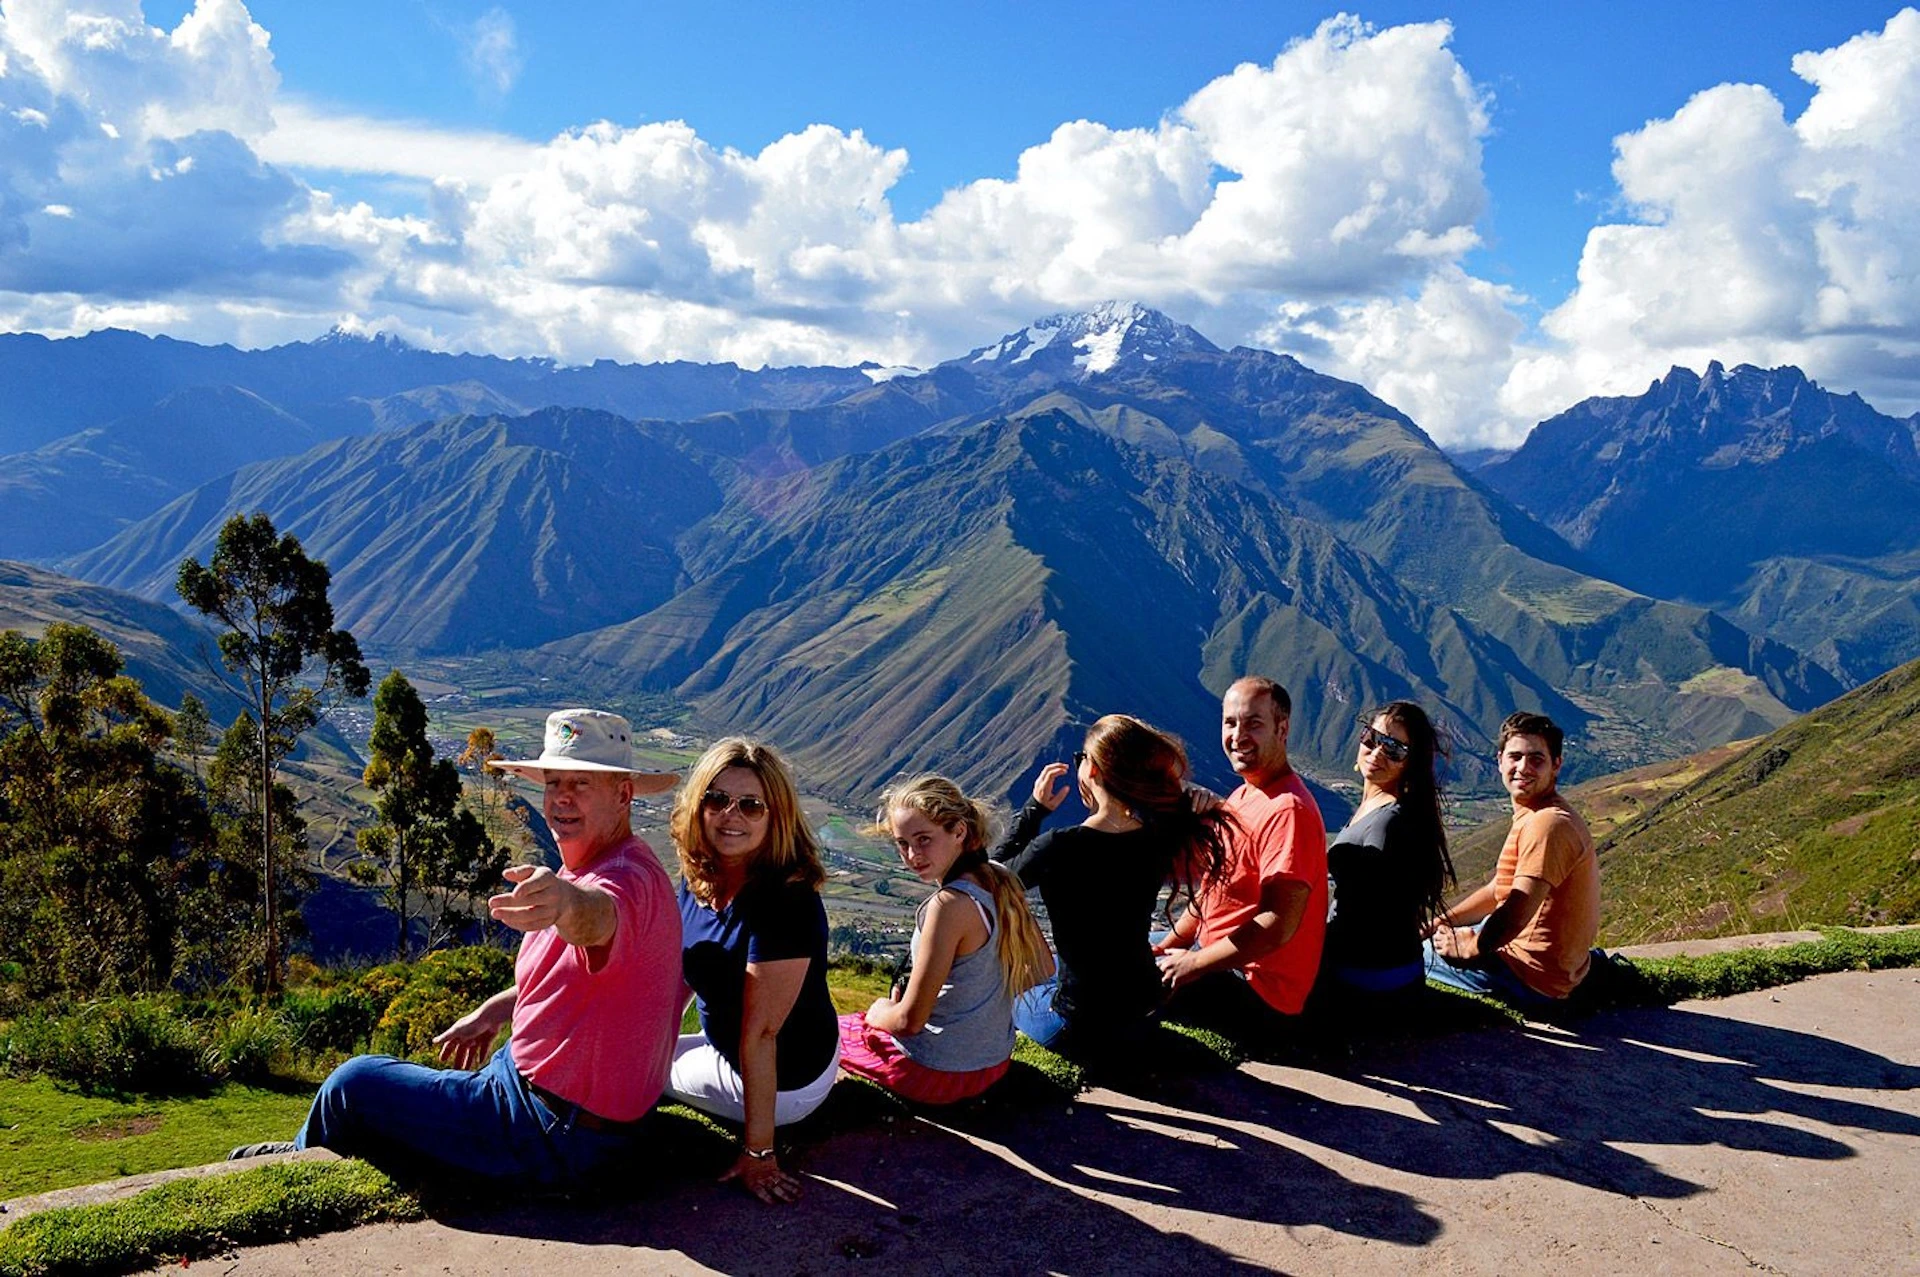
(1264, 912)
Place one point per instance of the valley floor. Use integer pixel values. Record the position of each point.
(1777, 1131)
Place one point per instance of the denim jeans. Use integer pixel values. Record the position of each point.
(1033, 1013)
(1489, 976)
(411, 1118)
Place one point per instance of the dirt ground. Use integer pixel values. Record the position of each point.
(1777, 1131)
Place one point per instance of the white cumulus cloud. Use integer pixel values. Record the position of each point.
(1755, 238)
(1325, 203)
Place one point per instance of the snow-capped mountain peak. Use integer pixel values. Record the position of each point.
(1086, 343)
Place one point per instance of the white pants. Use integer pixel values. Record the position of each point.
(703, 1079)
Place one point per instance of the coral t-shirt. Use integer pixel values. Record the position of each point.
(1281, 837)
(1554, 950)
(597, 1026)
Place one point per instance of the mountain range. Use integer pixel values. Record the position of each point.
(109, 427)
(959, 567)
(1792, 510)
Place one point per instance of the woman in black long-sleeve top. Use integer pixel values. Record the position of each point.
(1101, 878)
(1389, 866)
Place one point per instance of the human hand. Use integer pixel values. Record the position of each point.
(538, 900)
(466, 1041)
(1179, 967)
(1202, 798)
(1457, 945)
(1049, 788)
(763, 1177)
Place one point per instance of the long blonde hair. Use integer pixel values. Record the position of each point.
(788, 855)
(1021, 946)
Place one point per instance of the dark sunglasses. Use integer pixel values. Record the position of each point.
(1397, 750)
(1079, 756)
(717, 802)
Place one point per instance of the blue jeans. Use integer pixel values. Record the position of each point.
(1033, 1013)
(1489, 976)
(408, 1117)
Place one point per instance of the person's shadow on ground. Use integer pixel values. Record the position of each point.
(1561, 1102)
(901, 1195)
(1059, 1186)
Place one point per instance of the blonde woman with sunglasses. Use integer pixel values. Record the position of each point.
(754, 954)
(1389, 867)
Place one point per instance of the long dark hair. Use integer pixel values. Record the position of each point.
(1146, 769)
(1422, 799)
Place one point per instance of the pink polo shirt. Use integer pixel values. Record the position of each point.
(597, 1026)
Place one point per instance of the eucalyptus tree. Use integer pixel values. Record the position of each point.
(279, 638)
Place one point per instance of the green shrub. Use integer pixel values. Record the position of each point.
(441, 988)
(13, 989)
(474, 973)
(116, 1045)
(339, 1020)
(248, 1045)
(408, 1027)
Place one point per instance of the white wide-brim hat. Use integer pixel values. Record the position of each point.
(588, 740)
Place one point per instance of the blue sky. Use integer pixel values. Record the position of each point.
(1421, 184)
(964, 90)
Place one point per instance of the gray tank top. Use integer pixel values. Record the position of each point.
(972, 1022)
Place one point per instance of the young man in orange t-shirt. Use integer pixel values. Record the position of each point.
(1245, 955)
(1526, 936)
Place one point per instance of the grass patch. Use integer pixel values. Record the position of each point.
(1665, 981)
(192, 1219)
(54, 1137)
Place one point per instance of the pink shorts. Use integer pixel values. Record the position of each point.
(874, 1055)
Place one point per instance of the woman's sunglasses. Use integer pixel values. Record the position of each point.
(1397, 750)
(719, 803)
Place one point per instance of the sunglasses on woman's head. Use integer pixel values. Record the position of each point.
(1397, 750)
(751, 807)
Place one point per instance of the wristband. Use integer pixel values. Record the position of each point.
(758, 1154)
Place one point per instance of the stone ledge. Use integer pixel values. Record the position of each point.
(114, 1190)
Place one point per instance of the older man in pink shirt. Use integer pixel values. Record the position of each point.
(594, 1004)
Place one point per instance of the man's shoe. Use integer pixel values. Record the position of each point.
(266, 1149)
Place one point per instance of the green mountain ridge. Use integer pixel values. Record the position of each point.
(892, 605)
(466, 534)
(1817, 823)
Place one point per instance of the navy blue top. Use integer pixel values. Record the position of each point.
(764, 922)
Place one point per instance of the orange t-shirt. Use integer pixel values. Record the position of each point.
(1552, 953)
(1281, 837)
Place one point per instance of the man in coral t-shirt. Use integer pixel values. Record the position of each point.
(1527, 936)
(1245, 955)
(594, 1006)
